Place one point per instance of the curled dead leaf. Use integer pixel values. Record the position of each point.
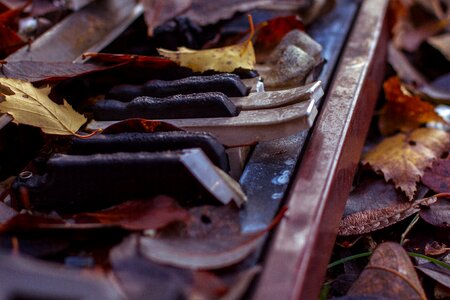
(374, 219)
(390, 275)
(403, 158)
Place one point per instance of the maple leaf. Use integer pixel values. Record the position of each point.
(403, 158)
(31, 106)
(404, 112)
(225, 59)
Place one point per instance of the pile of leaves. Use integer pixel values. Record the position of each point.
(401, 193)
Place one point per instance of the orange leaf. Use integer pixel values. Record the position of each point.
(404, 157)
(404, 112)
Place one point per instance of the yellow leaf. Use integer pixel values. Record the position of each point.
(403, 158)
(31, 106)
(225, 59)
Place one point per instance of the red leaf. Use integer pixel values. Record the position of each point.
(437, 177)
(10, 41)
(140, 125)
(138, 215)
(10, 17)
(437, 214)
(143, 61)
(26, 222)
(270, 33)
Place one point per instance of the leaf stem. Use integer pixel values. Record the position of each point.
(348, 258)
(409, 228)
(430, 259)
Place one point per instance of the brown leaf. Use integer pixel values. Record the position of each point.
(437, 177)
(435, 248)
(438, 214)
(48, 72)
(212, 240)
(138, 215)
(156, 12)
(143, 279)
(27, 222)
(389, 274)
(374, 219)
(205, 12)
(404, 157)
(404, 112)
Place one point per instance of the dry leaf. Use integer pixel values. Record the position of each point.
(437, 177)
(441, 43)
(225, 59)
(206, 12)
(404, 112)
(159, 11)
(435, 248)
(31, 106)
(375, 219)
(404, 157)
(389, 275)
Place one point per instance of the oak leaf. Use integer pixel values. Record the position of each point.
(402, 111)
(31, 106)
(403, 158)
(225, 59)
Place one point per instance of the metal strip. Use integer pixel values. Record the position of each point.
(296, 262)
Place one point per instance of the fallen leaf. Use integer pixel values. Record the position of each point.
(404, 69)
(409, 37)
(6, 212)
(138, 215)
(140, 125)
(212, 240)
(32, 106)
(27, 222)
(374, 219)
(156, 12)
(205, 12)
(435, 248)
(402, 111)
(225, 59)
(441, 43)
(404, 157)
(11, 41)
(389, 275)
(437, 214)
(141, 278)
(437, 177)
(10, 17)
(437, 273)
(271, 32)
(48, 72)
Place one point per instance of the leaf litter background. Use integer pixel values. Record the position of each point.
(397, 215)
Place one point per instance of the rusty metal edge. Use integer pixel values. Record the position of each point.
(295, 264)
